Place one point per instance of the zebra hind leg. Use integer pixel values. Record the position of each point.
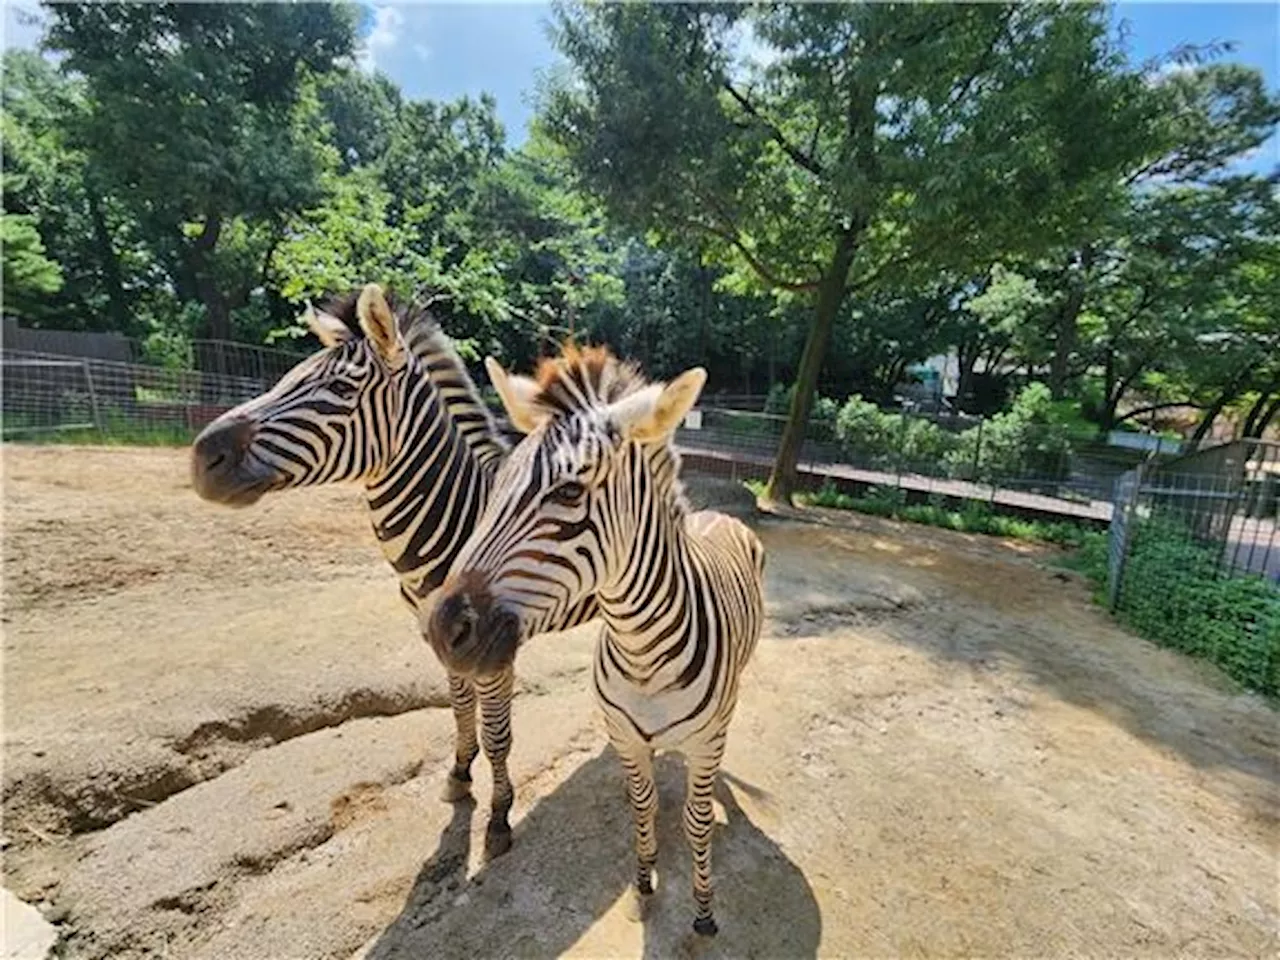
(642, 791)
(495, 714)
(462, 697)
(699, 821)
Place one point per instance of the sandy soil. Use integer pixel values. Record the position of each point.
(222, 738)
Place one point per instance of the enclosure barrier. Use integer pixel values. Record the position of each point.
(946, 456)
(1225, 501)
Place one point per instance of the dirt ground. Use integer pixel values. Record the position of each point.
(222, 738)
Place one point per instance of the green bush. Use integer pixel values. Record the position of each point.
(864, 429)
(1174, 594)
(1031, 439)
(822, 415)
(973, 517)
(891, 439)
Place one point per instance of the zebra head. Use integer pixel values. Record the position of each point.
(568, 516)
(331, 418)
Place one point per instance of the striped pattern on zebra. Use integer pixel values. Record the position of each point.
(590, 502)
(387, 403)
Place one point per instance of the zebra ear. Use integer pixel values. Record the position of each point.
(667, 410)
(378, 322)
(329, 330)
(517, 394)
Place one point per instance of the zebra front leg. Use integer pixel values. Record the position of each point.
(642, 792)
(702, 765)
(462, 697)
(495, 714)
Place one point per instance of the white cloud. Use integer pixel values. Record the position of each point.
(387, 22)
(421, 51)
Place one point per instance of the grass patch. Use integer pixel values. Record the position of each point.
(974, 517)
(115, 432)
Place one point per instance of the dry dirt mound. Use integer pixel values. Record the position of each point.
(224, 739)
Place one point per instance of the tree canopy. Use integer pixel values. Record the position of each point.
(808, 197)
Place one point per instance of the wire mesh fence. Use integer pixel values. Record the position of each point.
(43, 394)
(925, 454)
(1219, 507)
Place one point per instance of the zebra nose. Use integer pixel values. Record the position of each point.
(221, 446)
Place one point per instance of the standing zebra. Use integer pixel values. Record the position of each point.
(387, 403)
(589, 503)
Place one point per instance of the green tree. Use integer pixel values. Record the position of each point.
(867, 151)
(29, 275)
(191, 121)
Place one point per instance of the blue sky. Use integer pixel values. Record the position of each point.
(443, 50)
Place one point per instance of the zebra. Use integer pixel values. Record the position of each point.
(387, 402)
(590, 503)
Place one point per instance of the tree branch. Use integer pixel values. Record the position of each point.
(1161, 406)
(801, 158)
(983, 61)
(766, 274)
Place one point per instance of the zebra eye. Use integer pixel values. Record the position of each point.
(567, 494)
(342, 389)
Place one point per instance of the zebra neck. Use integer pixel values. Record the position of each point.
(427, 501)
(648, 603)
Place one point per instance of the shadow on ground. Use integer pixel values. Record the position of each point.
(570, 866)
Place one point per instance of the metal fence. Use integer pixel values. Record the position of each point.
(941, 455)
(1224, 500)
(44, 393)
(216, 357)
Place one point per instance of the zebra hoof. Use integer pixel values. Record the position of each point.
(497, 840)
(455, 790)
(637, 907)
(705, 927)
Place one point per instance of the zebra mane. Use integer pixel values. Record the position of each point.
(435, 351)
(584, 377)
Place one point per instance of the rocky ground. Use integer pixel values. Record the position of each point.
(222, 738)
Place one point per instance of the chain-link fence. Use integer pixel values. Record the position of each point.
(43, 394)
(944, 455)
(1220, 505)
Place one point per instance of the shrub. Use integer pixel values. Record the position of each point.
(1029, 440)
(822, 415)
(974, 517)
(1174, 594)
(863, 429)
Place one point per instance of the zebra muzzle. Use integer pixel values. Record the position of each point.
(471, 633)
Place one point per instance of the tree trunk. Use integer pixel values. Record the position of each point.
(1265, 420)
(1065, 340)
(1207, 421)
(217, 319)
(831, 294)
(1259, 405)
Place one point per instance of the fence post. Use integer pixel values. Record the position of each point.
(93, 396)
(977, 449)
(1121, 532)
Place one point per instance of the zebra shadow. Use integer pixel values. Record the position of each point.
(562, 883)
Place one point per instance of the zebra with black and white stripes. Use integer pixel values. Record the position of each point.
(387, 403)
(589, 503)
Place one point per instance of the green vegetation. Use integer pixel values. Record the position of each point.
(813, 194)
(1175, 595)
(117, 431)
(974, 517)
